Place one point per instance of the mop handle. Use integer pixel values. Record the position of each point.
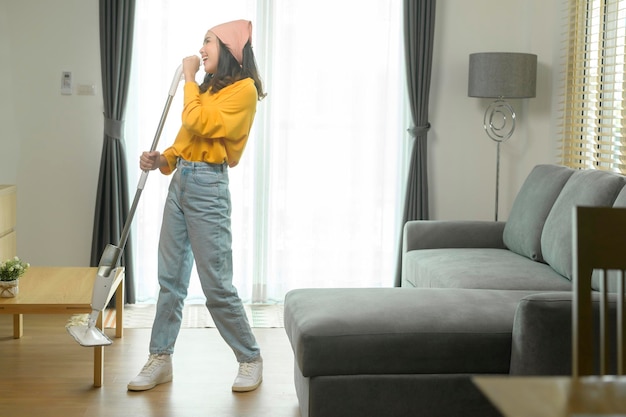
(178, 75)
(144, 174)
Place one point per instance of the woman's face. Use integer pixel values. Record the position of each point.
(210, 52)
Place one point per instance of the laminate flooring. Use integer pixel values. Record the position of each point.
(46, 373)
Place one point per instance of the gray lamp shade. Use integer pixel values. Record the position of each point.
(502, 75)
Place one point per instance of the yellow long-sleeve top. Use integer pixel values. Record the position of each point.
(215, 127)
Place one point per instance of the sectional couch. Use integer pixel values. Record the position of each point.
(477, 298)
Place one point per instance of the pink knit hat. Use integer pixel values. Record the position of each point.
(234, 35)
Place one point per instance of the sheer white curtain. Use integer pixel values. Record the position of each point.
(316, 198)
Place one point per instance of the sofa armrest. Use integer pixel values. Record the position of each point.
(542, 333)
(434, 234)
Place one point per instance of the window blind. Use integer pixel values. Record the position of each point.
(593, 125)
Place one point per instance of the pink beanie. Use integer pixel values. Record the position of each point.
(234, 35)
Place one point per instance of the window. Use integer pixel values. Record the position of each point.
(594, 99)
(316, 197)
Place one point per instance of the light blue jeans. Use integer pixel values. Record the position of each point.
(196, 225)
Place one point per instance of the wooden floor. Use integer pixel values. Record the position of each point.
(46, 373)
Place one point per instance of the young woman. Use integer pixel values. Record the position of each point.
(216, 121)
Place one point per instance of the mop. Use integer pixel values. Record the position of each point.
(89, 334)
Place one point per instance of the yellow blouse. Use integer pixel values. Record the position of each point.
(215, 127)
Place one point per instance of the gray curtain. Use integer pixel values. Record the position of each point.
(419, 33)
(116, 38)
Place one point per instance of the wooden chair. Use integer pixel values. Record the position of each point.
(599, 243)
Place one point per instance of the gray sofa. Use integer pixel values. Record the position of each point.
(477, 297)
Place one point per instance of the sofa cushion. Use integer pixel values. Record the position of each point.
(522, 233)
(479, 268)
(355, 331)
(584, 188)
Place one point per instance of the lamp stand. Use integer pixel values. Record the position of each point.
(499, 123)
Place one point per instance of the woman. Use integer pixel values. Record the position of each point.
(216, 121)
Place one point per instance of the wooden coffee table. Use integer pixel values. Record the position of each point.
(555, 396)
(62, 290)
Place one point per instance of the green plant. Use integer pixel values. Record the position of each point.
(12, 269)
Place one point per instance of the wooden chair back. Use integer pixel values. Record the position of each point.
(599, 243)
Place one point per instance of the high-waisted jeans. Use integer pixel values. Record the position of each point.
(196, 225)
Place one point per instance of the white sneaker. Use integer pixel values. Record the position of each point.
(157, 370)
(249, 376)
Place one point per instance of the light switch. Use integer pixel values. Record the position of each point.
(86, 89)
(66, 82)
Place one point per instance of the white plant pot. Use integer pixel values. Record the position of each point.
(9, 288)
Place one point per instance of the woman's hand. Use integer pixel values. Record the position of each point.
(191, 65)
(149, 161)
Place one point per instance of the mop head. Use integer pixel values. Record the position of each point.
(87, 336)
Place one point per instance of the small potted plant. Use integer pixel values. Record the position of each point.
(10, 272)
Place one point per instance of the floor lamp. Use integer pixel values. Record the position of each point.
(501, 75)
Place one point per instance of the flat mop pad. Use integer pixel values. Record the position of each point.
(83, 329)
(89, 336)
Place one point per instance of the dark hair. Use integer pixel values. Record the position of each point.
(229, 71)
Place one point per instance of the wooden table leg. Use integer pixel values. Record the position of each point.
(119, 309)
(18, 326)
(98, 360)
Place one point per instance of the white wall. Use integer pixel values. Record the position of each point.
(9, 141)
(50, 144)
(56, 140)
(462, 164)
